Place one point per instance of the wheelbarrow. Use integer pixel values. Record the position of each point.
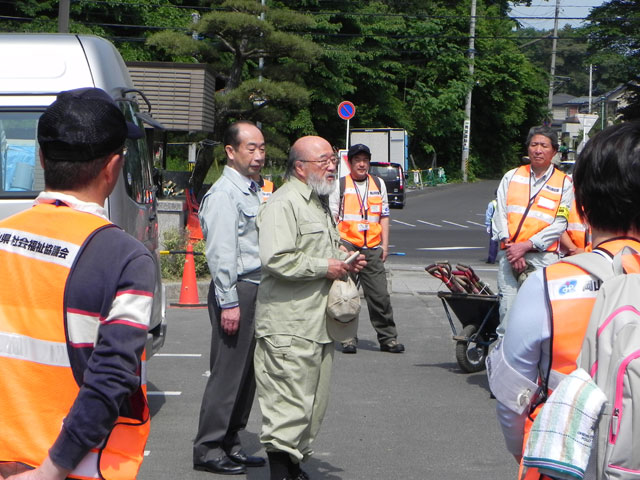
(479, 317)
(475, 306)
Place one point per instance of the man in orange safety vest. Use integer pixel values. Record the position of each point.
(75, 315)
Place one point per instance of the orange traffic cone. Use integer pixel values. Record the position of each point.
(189, 289)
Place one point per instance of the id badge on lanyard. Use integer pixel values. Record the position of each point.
(363, 225)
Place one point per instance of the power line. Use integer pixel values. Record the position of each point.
(335, 13)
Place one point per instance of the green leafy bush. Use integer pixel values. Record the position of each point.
(171, 265)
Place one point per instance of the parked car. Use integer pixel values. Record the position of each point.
(35, 68)
(394, 179)
(567, 166)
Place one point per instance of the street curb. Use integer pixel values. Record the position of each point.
(401, 279)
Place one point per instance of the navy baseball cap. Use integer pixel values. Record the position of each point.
(82, 125)
(356, 149)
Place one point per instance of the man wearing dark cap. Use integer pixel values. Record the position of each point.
(361, 208)
(74, 317)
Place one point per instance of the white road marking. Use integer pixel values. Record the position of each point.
(456, 224)
(178, 355)
(165, 394)
(404, 223)
(147, 453)
(429, 223)
(449, 248)
(475, 223)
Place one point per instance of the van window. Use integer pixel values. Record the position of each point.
(138, 178)
(20, 173)
(386, 172)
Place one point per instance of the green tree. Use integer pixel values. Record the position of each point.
(614, 46)
(233, 37)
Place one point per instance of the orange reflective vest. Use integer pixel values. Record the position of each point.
(571, 295)
(360, 217)
(578, 232)
(38, 387)
(527, 216)
(267, 189)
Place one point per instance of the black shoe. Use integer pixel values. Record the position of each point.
(296, 473)
(301, 476)
(223, 465)
(392, 346)
(349, 348)
(242, 458)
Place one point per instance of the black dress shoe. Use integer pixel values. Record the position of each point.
(223, 465)
(241, 457)
(300, 476)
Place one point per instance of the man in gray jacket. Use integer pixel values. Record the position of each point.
(227, 215)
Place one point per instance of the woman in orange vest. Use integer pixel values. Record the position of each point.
(551, 312)
(74, 317)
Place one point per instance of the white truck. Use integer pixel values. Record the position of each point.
(387, 145)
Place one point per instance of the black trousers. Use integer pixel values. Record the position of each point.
(228, 395)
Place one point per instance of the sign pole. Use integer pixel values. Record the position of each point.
(346, 143)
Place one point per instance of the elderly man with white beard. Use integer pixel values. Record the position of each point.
(301, 256)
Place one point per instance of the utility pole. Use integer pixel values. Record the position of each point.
(261, 59)
(590, 85)
(466, 127)
(554, 45)
(63, 16)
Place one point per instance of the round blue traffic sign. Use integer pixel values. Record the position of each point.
(346, 110)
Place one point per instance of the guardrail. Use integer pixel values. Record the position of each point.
(427, 178)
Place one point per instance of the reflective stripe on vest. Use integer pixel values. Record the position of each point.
(578, 232)
(38, 386)
(571, 295)
(267, 189)
(542, 211)
(360, 223)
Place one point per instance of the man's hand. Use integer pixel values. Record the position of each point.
(516, 251)
(47, 471)
(385, 253)
(337, 268)
(519, 265)
(230, 320)
(358, 264)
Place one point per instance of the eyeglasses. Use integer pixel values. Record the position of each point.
(122, 152)
(333, 160)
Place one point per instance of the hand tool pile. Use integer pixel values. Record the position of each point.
(461, 280)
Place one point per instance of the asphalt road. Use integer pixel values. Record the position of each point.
(408, 416)
(442, 223)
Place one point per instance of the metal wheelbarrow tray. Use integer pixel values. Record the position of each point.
(479, 317)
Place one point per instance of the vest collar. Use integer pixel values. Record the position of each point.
(87, 207)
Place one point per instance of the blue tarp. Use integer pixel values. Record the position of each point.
(20, 159)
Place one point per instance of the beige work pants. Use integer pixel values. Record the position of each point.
(292, 379)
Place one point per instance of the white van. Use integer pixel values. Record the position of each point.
(35, 68)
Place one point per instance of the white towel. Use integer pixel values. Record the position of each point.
(562, 434)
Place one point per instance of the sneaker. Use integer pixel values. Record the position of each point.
(349, 347)
(392, 346)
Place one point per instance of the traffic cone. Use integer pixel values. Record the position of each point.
(189, 289)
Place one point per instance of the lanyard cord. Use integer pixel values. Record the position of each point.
(362, 200)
